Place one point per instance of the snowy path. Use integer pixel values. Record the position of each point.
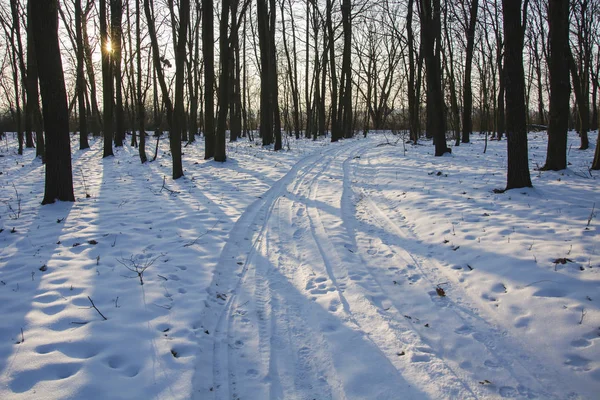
(322, 292)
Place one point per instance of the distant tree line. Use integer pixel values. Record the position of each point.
(306, 68)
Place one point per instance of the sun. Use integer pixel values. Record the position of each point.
(108, 45)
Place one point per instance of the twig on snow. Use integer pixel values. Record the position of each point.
(583, 313)
(96, 308)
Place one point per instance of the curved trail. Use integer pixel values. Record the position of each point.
(317, 296)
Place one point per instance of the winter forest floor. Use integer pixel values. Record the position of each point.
(350, 270)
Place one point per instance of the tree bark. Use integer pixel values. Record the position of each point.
(59, 179)
(141, 115)
(467, 90)
(430, 34)
(33, 114)
(516, 126)
(220, 154)
(107, 82)
(116, 34)
(83, 131)
(558, 124)
(208, 52)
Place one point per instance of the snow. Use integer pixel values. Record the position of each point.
(350, 270)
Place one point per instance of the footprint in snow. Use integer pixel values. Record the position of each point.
(26, 380)
(578, 363)
(508, 392)
(420, 358)
(581, 343)
(523, 322)
(464, 330)
(550, 292)
(491, 364)
(252, 373)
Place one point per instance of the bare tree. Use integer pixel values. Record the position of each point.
(107, 80)
(83, 131)
(467, 91)
(33, 114)
(516, 126)
(116, 39)
(431, 41)
(208, 52)
(224, 54)
(558, 18)
(59, 178)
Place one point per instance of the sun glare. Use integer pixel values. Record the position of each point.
(109, 48)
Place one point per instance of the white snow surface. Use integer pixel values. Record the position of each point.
(362, 269)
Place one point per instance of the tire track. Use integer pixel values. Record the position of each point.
(528, 376)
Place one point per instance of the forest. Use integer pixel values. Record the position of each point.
(284, 199)
(437, 69)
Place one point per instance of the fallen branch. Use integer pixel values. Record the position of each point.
(583, 313)
(193, 242)
(591, 216)
(164, 186)
(96, 308)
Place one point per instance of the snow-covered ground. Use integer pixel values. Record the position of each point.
(348, 270)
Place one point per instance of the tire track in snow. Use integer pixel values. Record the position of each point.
(361, 307)
(521, 373)
(236, 258)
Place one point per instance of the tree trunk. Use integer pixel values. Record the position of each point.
(516, 125)
(224, 54)
(107, 82)
(582, 99)
(558, 124)
(83, 132)
(141, 115)
(330, 46)
(274, 82)
(208, 52)
(264, 39)
(33, 114)
(413, 104)
(467, 90)
(116, 13)
(430, 33)
(95, 113)
(346, 99)
(59, 179)
(178, 122)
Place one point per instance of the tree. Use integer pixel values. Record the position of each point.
(558, 123)
(223, 82)
(33, 114)
(516, 124)
(107, 81)
(467, 91)
(59, 178)
(270, 125)
(431, 37)
(330, 47)
(175, 114)
(116, 13)
(345, 113)
(208, 52)
(141, 115)
(580, 64)
(414, 77)
(292, 65)
(13, 36)
(94, 120)
(83, 132)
